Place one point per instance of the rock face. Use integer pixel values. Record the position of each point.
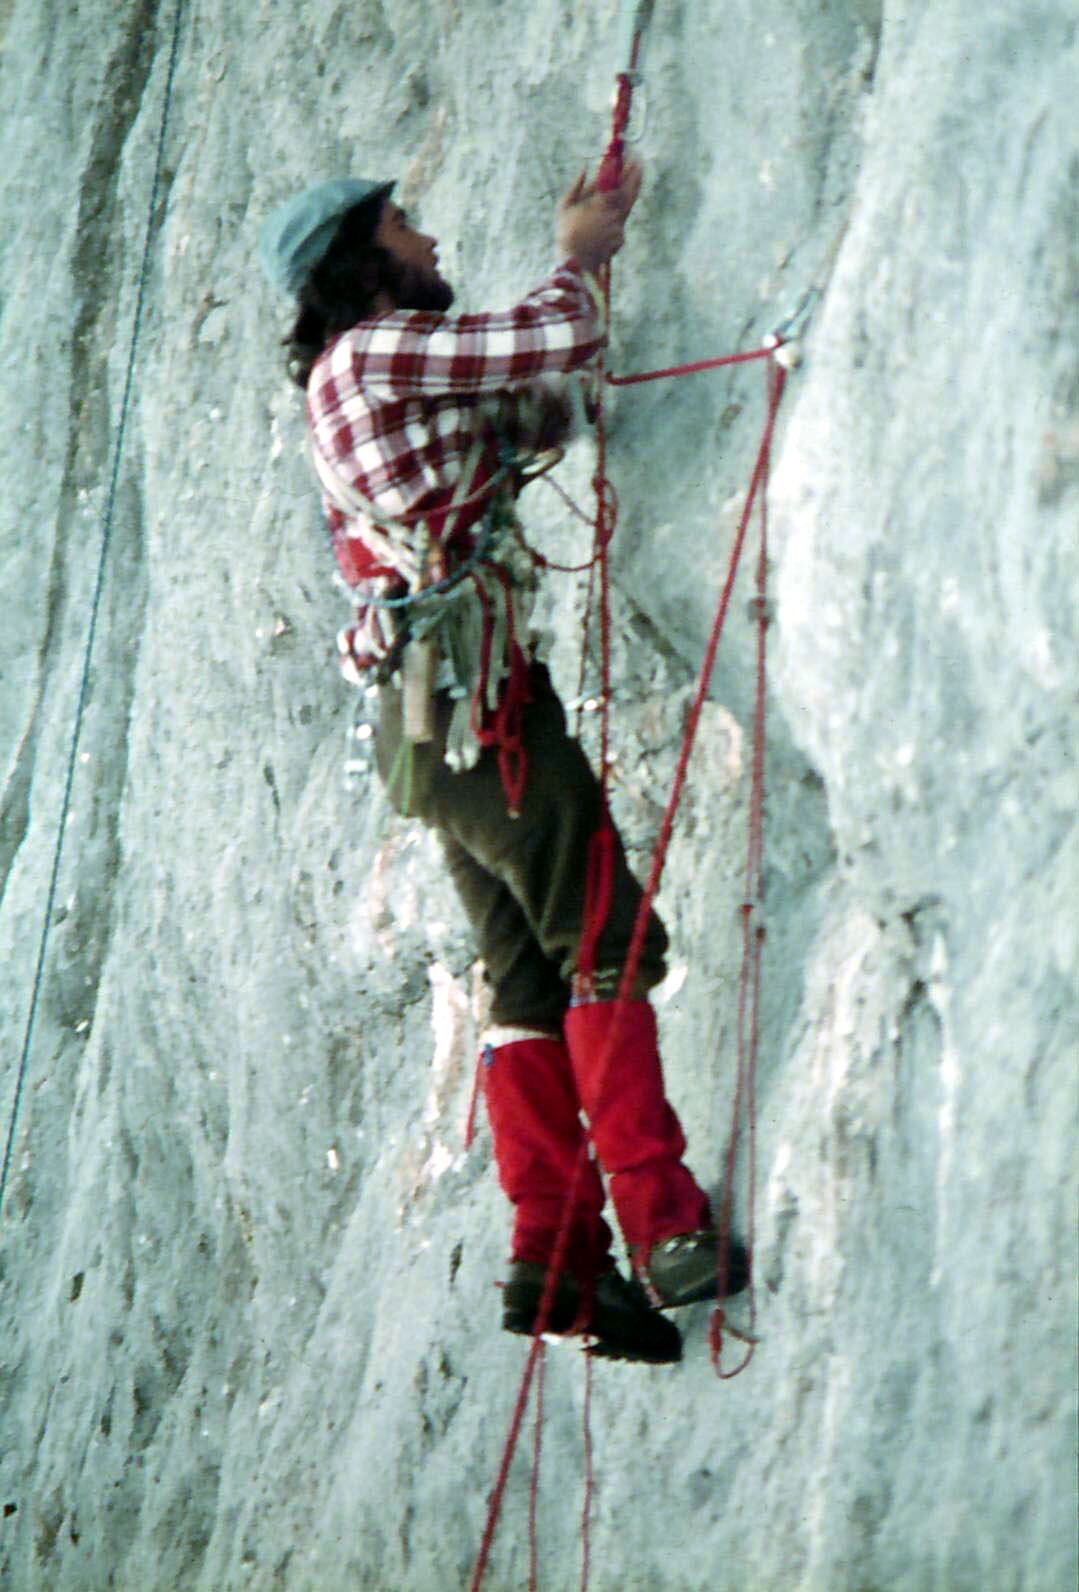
(248, 1334)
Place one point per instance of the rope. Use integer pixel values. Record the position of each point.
(692, 369)
(473, 1104)
(495, 1506)
(537, 1454)
(543, 1316)
(597, 893)
(599, 877)
(95, 607)
(660, 854)
(415, 599)
(501, 726)
(749, 983)
(753, 937)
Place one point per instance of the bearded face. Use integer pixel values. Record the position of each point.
(409, 262)
(412, 286)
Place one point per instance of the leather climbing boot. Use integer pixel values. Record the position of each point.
(687, 1268)
(637, 1136)
(536, 1127)
(611, 1311)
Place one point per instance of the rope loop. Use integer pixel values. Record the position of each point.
(502, 727)
(717, 1326)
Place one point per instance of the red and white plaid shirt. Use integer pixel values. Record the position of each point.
(398, 403)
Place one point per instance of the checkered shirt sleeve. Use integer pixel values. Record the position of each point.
(397, 402)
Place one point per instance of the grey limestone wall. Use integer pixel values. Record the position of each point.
(248, 1333)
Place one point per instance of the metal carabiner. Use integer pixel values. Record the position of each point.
(638, 119)
(636, 15)
(790, 329)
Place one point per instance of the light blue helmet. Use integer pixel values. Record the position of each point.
(299, 232)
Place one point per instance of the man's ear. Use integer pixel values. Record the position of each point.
(371, 272)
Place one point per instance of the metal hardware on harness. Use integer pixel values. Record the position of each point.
(510, 463)
(426, 594)
(537, 464)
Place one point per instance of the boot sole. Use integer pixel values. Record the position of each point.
(603, 1348)
(521, 1303)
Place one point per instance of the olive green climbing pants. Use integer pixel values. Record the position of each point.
(521, 880)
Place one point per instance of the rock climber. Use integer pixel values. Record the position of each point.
(423, 428)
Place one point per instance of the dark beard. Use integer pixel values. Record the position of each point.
(412, 289)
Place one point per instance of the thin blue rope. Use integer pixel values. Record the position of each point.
(95, 606)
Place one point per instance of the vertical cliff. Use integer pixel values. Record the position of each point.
(248, 1334)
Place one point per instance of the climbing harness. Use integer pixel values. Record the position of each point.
(107, 517)
(463, 631)
(780, 353)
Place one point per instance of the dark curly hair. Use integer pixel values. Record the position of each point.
(342, 288)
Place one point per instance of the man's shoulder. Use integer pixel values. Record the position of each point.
(367, 353)
(380, 335)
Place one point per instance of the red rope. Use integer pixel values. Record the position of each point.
(543, 1316)
(533, 1490)
(610, 167)
(746, 1089)
(745, 1098)
(690, 370)
(597, 891)
(473, 1103)
(753, 935)
(659, 856)
(503, 727)
(494, 1507)
(586, 631)
(599, 878)
(776, 385)
(575, 509)
(606, 520)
